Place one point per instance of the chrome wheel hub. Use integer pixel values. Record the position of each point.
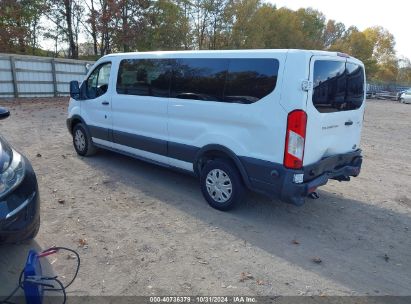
(219, 185)
(80, 140)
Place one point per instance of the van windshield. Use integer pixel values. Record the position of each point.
(338, 86)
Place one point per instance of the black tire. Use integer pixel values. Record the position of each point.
(22, 237)
(82, 141)
(220, 200)
(35, 230)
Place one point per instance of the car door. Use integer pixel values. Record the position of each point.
(96, 108)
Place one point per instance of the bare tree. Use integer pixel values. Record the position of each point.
(67, 16)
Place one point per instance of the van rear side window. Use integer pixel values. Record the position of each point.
(201, 79)
(250, 80)
(338, 86)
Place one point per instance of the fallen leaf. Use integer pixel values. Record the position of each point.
(245, 276)
(70, 257)
(82, 242)
(295, 242)
(386, 257)
(260, 282)
(316, 260)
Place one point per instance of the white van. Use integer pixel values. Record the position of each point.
(280, 122)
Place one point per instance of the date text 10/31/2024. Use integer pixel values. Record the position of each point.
(203, 299)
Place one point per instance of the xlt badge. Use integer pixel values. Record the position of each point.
(330, 127)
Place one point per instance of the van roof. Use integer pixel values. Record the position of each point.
(261, 52)
(206, 52)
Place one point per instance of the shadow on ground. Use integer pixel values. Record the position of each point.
(362, 246)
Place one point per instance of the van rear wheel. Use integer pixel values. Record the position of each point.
(82, 141)
(221, 185)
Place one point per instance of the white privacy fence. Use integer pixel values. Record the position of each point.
(32, 76)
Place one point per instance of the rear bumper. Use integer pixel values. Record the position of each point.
(20, 210)
(277, 181)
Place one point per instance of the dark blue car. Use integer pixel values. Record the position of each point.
(19, 194)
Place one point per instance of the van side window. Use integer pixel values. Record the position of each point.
(242, 80)
(97, 82)
(249, 80)
(144, 77)
(201, 79)
(338, 86)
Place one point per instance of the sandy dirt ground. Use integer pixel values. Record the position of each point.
(145, 230)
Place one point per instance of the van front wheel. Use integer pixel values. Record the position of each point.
(221, 185)
(82, 141)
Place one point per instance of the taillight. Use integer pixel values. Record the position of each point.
(295, 139)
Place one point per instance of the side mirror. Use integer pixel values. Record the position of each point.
(4, 113)
(74, 89)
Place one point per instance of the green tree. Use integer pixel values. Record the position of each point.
(167, 27)
(383, 43)
(258, 34)
(383, 52)
(20, 25)
(333, 32)
(130, 23)
(242, 12)
(287, 30)
(312, 24)
(257, 25)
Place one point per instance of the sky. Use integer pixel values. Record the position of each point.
(394, 15)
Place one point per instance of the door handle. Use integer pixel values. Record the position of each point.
(348, 123)
(105, 103)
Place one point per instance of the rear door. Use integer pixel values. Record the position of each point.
(335, 107)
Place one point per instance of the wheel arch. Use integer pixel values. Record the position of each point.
(213, 151)
(74, 120)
